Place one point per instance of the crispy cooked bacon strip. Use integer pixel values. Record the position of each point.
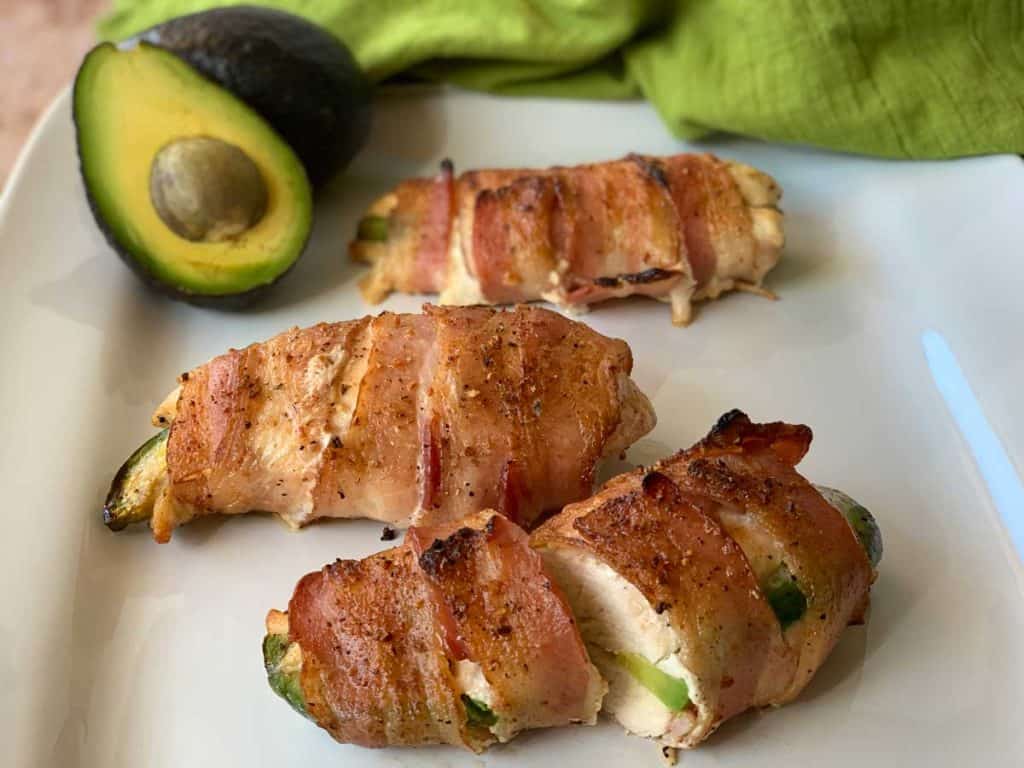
(419, 232)
(375, 671)
(697, 534)
(511, 620)
(746, 472)
(382, 639)
(401, 417)
(679, 228)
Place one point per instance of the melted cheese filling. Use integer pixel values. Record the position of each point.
(469, 677)
(470, 680)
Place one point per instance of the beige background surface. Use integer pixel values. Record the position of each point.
(41, 45)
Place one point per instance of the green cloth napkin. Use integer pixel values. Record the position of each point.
(917, 78)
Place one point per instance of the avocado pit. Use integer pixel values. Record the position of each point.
(207, 190)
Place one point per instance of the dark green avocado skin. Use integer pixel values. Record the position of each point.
(298, 76)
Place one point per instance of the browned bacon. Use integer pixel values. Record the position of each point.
(678, 228)
(699, 535)
(382, 640)
(401, 418)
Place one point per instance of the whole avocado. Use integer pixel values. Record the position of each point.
(296, 75)
(192, 187)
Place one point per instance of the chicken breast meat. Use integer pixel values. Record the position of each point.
(458, 636)
(715, 581)
(676, 597)
(399, 418)
(680, 228)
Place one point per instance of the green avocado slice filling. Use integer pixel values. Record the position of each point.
(137, 483)
(373, 229)
(784, 596)
(478, 713)
(780, 587)
(284, 684)
(671, 691)
(860, 519)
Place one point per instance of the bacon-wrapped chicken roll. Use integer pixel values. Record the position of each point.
(679, 228)
(715, 581)
(458, 636)
(399, 418)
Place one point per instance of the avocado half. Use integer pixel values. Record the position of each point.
(192, 188)
(297, 75)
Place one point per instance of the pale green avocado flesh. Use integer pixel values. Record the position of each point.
(136, 484)
(860, 519)
(285, 684)
(478, 713)
(671, 691)
(784, 596)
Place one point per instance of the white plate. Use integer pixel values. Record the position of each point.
(898, 338)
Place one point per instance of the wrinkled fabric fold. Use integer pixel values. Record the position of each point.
(912, 79)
